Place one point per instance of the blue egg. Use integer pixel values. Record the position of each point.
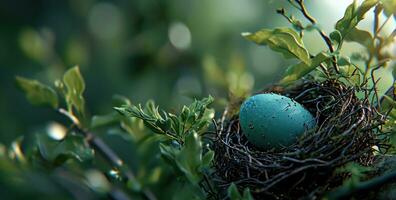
(272, 120)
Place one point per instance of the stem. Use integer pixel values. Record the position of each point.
(321, 32)
(106, 152)
(376, 21)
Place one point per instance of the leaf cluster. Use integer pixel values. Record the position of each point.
(193, 118)
(183, 148)
(289, 42)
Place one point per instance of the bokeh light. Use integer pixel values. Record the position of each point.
(179, 35)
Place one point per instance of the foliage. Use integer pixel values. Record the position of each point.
(184, 149)
(75, 87)
(83, 160)
(194, 117)
(284, 40)
(38, 93)
(234, 194)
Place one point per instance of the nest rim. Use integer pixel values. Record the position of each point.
(347, 129)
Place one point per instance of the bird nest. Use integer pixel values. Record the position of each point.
(347, 130)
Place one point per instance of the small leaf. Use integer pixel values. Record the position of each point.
(284, 40)
(58, 152)
(207, 158)
(190, 158)
(38, 93)
(247, 195)
(233, 192)
(387, 103)
(353, 15)
(299, 70)
(336, 37)
(351, 73)
(104, 120)
(75, 85)
(360, 36)
(195, 117)
(119, 100)
(389, 7)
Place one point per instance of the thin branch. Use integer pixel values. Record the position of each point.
(106, 152)
(321, 32)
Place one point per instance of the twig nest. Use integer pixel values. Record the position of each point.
(271, 120)
(347, 127)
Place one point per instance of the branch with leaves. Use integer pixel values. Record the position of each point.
(72, 88)
(183, 148)
(288, 42)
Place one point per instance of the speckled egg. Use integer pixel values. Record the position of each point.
(272, 120)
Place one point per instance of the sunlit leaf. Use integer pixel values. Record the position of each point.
(38, 93)
(336, 37)
(389, 7)
(284, 40)
(351, 72)
(353, 15)
(299, 70)
(75, 86)
(360, 36)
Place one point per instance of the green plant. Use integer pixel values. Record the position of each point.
(182, 138)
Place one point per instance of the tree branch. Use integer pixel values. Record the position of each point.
(106, 152)
(321, 32)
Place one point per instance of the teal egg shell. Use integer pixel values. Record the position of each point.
(272, 120)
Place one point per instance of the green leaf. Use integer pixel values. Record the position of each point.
(353, 15)
(119, 100)
(351, 73)
(38, 93)
(207, 159)
(189, 158)
(360, 36)
(247, 195)
(336, 37)
(104, 120)
(299, 70)
(356, 170)
(151, 120)
(284, 40)
(233, 192)
(389, 7)
(57, 152)
(195, 117)
(169, 154)
(387, 103)
(75, 86)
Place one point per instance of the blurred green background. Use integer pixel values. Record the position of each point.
(169, 51)
(147, 49)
